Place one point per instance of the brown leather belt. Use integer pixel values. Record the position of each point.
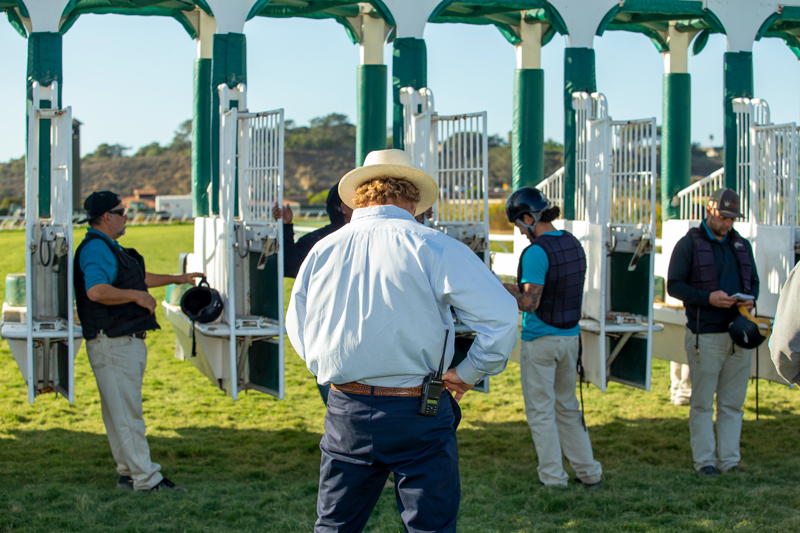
(360, 388)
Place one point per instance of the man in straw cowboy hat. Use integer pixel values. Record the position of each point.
(370, 312)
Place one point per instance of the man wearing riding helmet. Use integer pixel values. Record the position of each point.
(549, 291)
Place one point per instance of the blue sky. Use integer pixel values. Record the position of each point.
(129, 79)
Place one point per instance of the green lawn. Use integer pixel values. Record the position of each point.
(252, 465)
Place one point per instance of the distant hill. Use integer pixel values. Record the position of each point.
(316, 156)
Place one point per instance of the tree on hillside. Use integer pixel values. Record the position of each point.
(182, 142)
(330, 131)
(109, 151)
(150, 150)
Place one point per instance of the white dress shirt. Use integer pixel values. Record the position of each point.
(372, 301)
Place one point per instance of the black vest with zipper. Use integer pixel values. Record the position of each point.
(562, 295)
(704, 273)
(113, 320)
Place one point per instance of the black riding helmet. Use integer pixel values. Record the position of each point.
(744, 330)
(527, 200)
(202, 303)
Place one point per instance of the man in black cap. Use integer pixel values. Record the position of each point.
(712, 271)
(294, 253)
(116, 311)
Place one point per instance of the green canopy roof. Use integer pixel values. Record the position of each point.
(650, 18)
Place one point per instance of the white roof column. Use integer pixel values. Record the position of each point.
(742, 19)
(582, 18)
(371, 75)
(229, 66)
(206, 27)
(527, 133)
(676, 144)
(409, 64)
(44, 67)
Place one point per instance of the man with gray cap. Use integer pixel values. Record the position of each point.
(713, 272)
(371, 314)
(116, 312)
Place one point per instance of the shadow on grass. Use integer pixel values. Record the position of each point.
(244, 479)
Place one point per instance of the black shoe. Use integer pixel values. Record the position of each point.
(125, 482)
(166, 484)
(708, 471)
(735, 469)
(589, 485)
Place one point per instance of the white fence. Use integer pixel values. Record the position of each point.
(553, 187)
(693, 198)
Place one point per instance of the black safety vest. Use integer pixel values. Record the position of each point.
(704, 273)
(114, 320)
(562, 296)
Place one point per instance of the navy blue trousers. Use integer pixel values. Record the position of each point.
(366, 437)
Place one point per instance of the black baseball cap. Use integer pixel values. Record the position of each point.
(726, 202)
(99, 203)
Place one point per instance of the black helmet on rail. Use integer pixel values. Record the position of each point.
(202, 303)
(527, 201)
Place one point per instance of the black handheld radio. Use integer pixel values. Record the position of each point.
(432, 387)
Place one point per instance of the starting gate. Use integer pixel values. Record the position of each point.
(454, 150)
(43, 335)
(767, 184)
(241, 252)
(615, 220)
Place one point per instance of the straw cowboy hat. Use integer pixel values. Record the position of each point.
(389, 164)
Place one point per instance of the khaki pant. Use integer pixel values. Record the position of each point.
(118, 366)
(723, 368)
(547, 366)
(680, 390)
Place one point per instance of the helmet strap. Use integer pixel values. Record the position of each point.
(530, 227)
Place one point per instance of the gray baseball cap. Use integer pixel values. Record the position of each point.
(726, 202)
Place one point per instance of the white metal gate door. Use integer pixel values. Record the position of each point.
(251, 160)
(591, 198)
(50, 317)
(767, 179)
(461, 168)
(454, 151)
(615, 182)
(261, 150)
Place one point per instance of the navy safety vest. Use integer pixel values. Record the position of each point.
(562, 296)
(704, 273)
(114, 320)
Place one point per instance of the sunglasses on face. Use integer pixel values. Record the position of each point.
(120, 212)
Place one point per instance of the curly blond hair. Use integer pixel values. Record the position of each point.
(380, 190)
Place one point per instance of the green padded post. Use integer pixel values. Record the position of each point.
(676, 144)
(229, 66)
(527, 134)
(738, 84)
(371, 123)
(409, 69)
(201, 137)
(579, 76)
(45, 67)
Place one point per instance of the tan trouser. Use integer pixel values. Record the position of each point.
(680, 382)
(118, 366)
(547, 366)
(723, 368)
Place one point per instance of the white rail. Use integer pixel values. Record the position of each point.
(693, 198)
(553, 187)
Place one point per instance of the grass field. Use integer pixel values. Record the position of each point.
(252, 465)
